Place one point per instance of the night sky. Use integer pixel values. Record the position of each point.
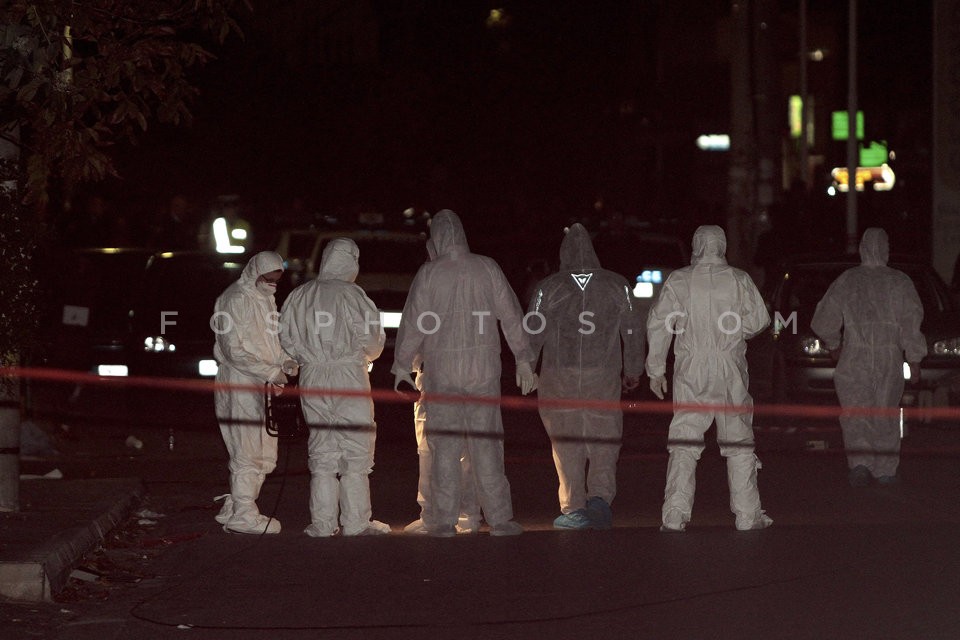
(529, 122)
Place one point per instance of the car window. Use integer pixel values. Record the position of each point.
(300, 246)
(626, 252)
(190, 288)
(102, 283)
(803, 287)
(389, 255)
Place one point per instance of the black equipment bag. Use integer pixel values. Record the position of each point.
(284, 412)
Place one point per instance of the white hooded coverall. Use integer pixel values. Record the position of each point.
(708, 309)
(469, 520)
(333, 330)
(879, 313)
(450, 319)
(586, 312)
(248, 353)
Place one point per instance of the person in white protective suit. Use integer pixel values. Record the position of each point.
(248, 354)
(469, 520)
(582, 315)
(709, 309)
(333, 330)
(874, 313)
(450, 319)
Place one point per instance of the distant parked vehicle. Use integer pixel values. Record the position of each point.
(84, 318)
(788, 363)
(170, 334)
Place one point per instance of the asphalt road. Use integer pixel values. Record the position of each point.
(838, 563)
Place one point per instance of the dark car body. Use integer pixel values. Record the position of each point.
(170, 334)
(789, 364)
(84, 319)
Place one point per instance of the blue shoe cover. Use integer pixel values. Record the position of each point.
(600, 512)
(574, 520)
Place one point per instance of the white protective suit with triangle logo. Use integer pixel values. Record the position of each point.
(708, 310)
(333, 330)
(248, 354)
(450, 320)
(587, 313)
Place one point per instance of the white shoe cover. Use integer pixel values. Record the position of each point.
(468, 526)
(315, 531)
(417, 527)
(263, 525)
(761, 522)
(226, 511)
(374, 528)
(673, 522)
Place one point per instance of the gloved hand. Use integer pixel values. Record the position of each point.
(526, 379)
(658, 384)
(403, 376)
(914, 372)
(290, 367)
(630, 383)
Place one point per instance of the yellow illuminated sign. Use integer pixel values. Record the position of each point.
(881, 178)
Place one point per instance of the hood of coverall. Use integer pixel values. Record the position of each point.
(709, 245)
(576, 250)
(263, 262)
(874, 248)
(340, 260)
(446, 233)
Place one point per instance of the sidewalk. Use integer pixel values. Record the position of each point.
(59, 521)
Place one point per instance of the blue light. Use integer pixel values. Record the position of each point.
(655, 276)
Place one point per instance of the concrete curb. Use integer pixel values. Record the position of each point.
(59, 522)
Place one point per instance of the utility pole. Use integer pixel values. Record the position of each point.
(754, 174)
(853, 151)
(804, 100)
(9, 387)
(741, 178)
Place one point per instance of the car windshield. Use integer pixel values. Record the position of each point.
(189, 286)
(804, 286)
(301, 244)
(628, 253)
(399, 255)
(104, 283)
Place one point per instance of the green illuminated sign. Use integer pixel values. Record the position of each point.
(874, 155)
(840, 125)
(795, 116)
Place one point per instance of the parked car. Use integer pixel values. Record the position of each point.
(644, 258)
(170, 334)
(83, 321)
(788, 363)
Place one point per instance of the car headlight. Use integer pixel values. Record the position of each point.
(643, 290)
(948, 347)
(390, 319)
(813, 347)
(158, 344)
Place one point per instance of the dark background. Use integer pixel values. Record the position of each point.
(566, 110)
